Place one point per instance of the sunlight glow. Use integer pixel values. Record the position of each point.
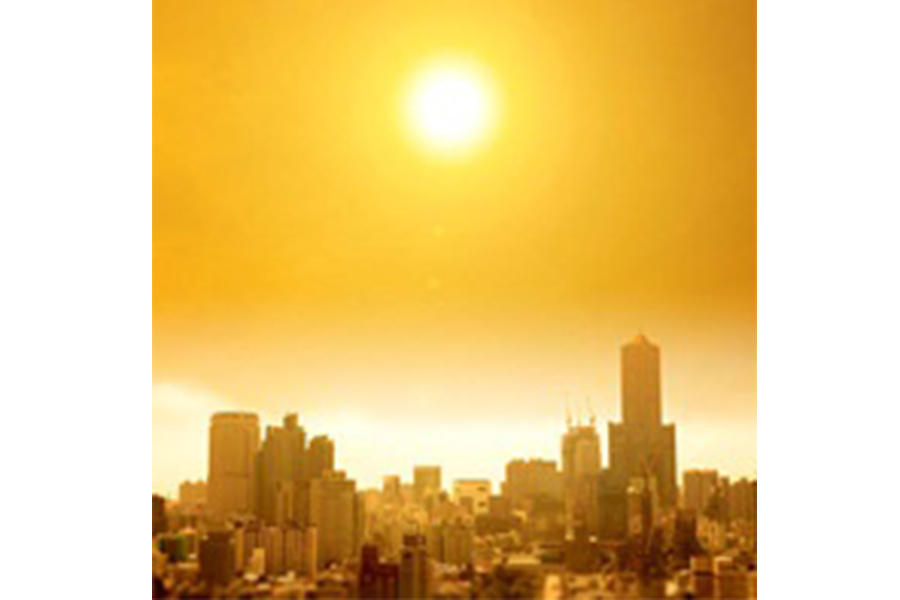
(450, 107)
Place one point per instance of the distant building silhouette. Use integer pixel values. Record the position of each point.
(233, 444)
(698, 489)
(320, 457)
(281, 475)
(415, 569)
(581, 457)
(742, 505)
(427, 482)
(217, 558)
(192, 495)
(334, 514)
(528, 481)
(392, 490)
(612, 508)
(160, 523)
(642, 446)
(377, 580)
(474, 495)
(451, 543)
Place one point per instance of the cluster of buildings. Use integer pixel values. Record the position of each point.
(275, 517)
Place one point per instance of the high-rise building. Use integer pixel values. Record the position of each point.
(581, 457)
(451, 543)
(160, 523)
(192, 495)
(527, 481)
(377, 580)
(698, 489)
(233, 444)
(273, 544)
(612, 509)
(333, 512)
(217, 558)
(742, 500)
(320, 457)
(643, 503)
(427, 482)
(392, 490)
(686, 544)
(474, 495)
(642, 446)
(281, 475)
(415, 568)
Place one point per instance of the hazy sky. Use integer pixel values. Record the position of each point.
(308, 256)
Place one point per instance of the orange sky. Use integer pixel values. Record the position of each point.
(308, 257)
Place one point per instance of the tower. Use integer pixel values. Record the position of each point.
(415, 568)
(581, 458)
(333, 512)
(233, 444)
(427, 482)
(280, 474)
(160, 524)
(642, 447)
(320, 458)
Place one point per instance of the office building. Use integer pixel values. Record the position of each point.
(581, 457)
(160, 523)
(742, 500)
(320, 457)
(378, 580)
(415, 569)
(698, 489)
(474, 495)
(217, 558)
(451, 543)
(334, 514)
(233, 445)
(281, 476)
(192, 495)
(527, 481)
(641, 445)
(392, 490)
(427, 482)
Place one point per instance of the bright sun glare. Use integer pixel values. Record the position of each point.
(450, 107)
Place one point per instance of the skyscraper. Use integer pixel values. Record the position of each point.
(192, 495)
(642, 446)
(392, 490)
(160, 524)
(320, 457)
(427, 481)
(377, 580)
(527, 481)
(281, 475)
(333, 512)
(233, 444)
(217, 558)
(581, 457)
(415, 568)
(699, 488)
(474, 495)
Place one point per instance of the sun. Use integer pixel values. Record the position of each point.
(450, 107)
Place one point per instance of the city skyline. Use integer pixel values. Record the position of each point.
(578, 411)
(276, 510)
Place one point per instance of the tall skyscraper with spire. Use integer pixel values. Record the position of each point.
(642, 446)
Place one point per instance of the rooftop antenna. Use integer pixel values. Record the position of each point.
(568, 411)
